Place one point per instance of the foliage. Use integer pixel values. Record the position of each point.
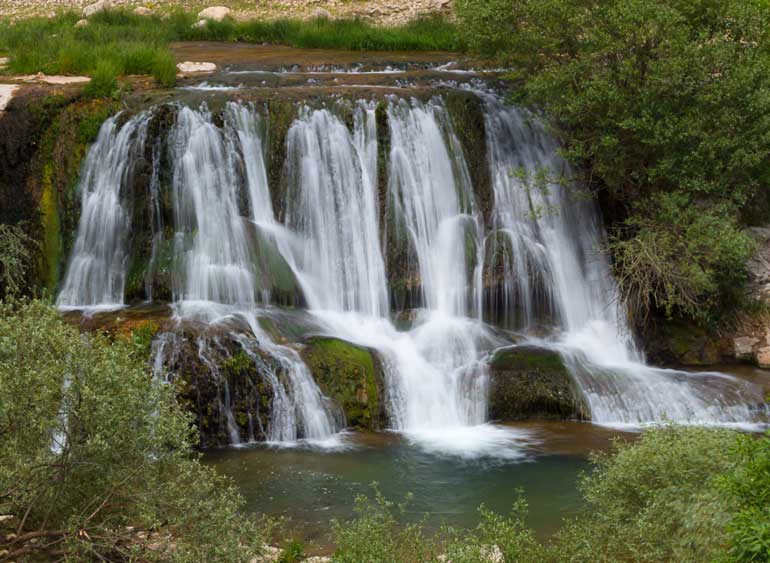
(428, 33)
(510, 537)
(112, 44)
(666, 105)
(749, 486)
(656, 499)
(104, 81)
(15, 258)
(376, 535)
(96, 458)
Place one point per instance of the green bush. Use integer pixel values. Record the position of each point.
(749, 487)
(666, 106)
(15, 258)
(104, 81)
(96, 457)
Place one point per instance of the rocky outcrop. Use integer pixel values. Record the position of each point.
(351, 376)
(528, 382)
(95, 8)
(215, 13)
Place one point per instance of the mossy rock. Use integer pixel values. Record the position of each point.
(532, 383)
(350, 375)
(681, 343)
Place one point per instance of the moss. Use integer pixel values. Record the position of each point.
(281, 115)
(467, 114)
(55, 173)
(527, 382)
(351, 376)
(51, 226)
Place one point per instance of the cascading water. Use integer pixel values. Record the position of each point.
(212, 242)
(437, 379)
(337, 240)
(333, 208)
(556, 240)
(96, 274)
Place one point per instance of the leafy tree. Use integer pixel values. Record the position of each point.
(96, 459)
(666, 105)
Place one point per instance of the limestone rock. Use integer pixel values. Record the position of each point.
(196, 67)
(763, 357)
(744, 347)
(6, 93)
(199, 24)
(81, 23)
(529, 382)
(216, 13)
(142, 11)
(95, 8)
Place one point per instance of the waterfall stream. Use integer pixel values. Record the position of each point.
(352, 215)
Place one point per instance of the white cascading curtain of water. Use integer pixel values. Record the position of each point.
(219, 264)
(96, 274)
(557, 238)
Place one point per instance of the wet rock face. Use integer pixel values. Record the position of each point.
(218, 382)
(351, 376)
(531, 383)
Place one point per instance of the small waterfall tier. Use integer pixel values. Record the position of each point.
(421, 236)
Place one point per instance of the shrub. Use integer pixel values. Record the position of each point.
(96, 458)
(749, 486)
(15, 258)
(657, 499)
(104, 81)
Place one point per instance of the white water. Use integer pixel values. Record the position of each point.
(212, 242)
(557, 239)
(436, 378)
(96, 273)
(436, 374)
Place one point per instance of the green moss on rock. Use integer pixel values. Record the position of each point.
(351, 376)
(527, 382)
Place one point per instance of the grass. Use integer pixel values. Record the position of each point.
(123, 43)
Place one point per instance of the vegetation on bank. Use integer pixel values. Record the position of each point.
(96, 458)
(666, 106)
(118, 42)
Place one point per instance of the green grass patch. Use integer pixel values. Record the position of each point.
(119, 43)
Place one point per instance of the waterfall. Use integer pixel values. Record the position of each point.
(220, 278)
(96, 273)
(556, 239)
(436, 378)
(356, 216)
(333, 208)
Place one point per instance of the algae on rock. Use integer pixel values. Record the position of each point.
(528, 382)
(350, 375)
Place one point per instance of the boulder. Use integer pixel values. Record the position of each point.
(6, 93)
(216, 13)
(199, 24)
(142, 11)
(190, 67)
(81, 23)
(95, 8)
(351, 376)
(528, 382)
